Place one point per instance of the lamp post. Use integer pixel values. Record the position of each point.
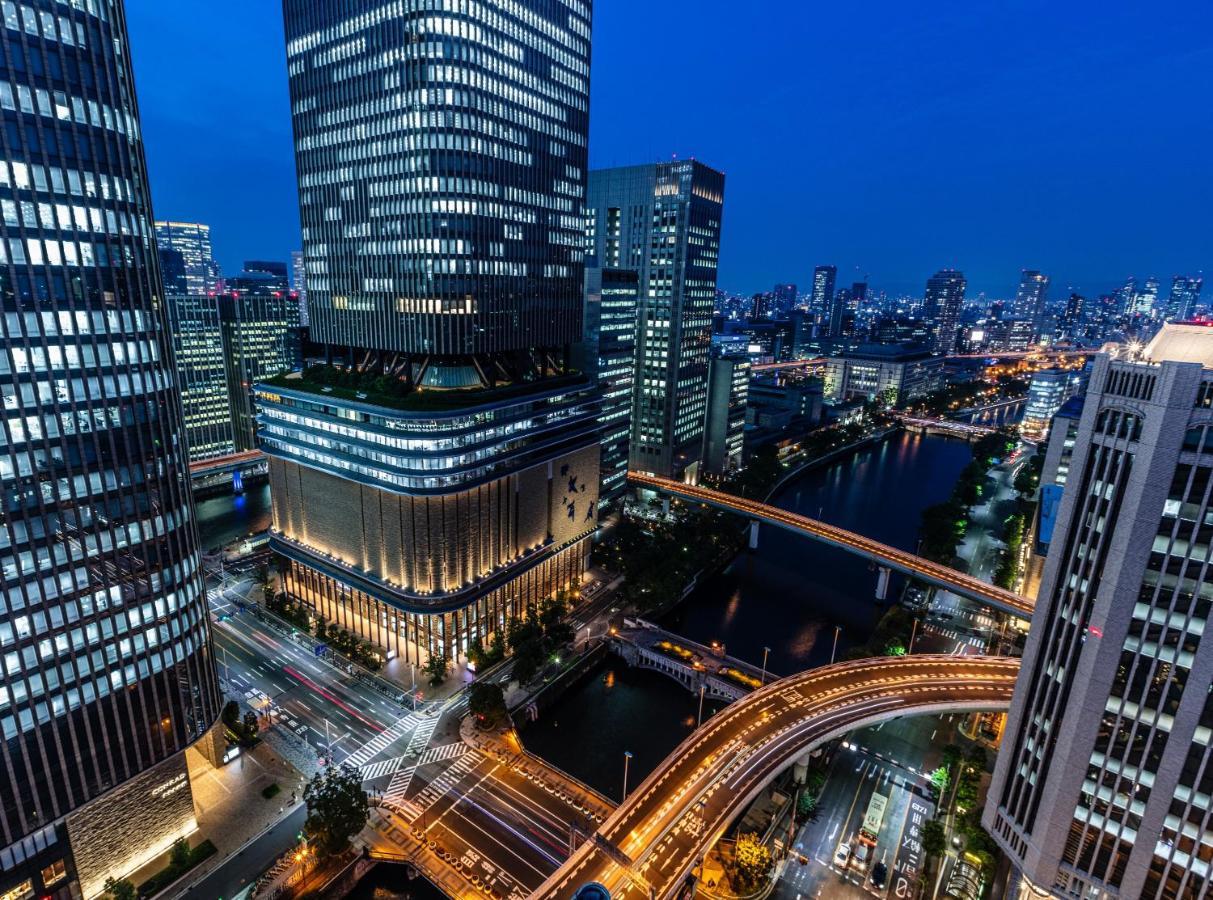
(699, 721)
(627, 757)
(766, 651)
(913, 632)
(834, 649)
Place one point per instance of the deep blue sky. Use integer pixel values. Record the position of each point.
(886, 137)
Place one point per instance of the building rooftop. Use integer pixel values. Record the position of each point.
(1182, 343)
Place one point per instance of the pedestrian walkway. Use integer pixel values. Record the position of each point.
(388, 736)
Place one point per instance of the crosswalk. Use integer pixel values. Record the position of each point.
(388, 736)
(437, 754)
(447, 780)
(395, 791)
(382, 767)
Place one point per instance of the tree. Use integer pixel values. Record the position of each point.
(527, 645)
(179, 853)
(486, 701)
(976, 757)
(933, 840)
(250, 725)
(436, 668)
(939, 780)
(121, 889)
(337, 808)
(230, 716)
(320, 628)
(753, 862)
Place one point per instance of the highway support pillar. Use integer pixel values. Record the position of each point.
(800, 769)
(665, 507)
(753, 534)
(882, 582)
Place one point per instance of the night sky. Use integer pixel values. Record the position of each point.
(886, 137)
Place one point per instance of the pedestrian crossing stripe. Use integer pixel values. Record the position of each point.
(446, 751)
(381, 768)
(380, 742)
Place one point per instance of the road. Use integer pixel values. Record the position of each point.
(894, 759)
(882, 554)
(650, 844)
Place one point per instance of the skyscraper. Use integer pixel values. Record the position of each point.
(607, 353)
(198, 349)
(822, 300)
(1106, 767)
(663, 220)
(444, 477)
(299, 283)
(1184, 296)
(785, 299)
(260, 328)
(275, 272)
(724, 426)
(1031, 300)
(108, 670)
(944, 297)
(193, 241)
(1145, 300)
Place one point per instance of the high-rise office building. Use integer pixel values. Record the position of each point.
(299, 283)
(275, 273)
(445, 477)
(1031, 300)
(663, 220)
(724, 420)
(762, 306)
(108, 670)
(199, 352)
(260, 338)
(172, 271)
(607, 353)
(193, 241)
(784, 300)
(1048, 389)
(1074, 315)
(1145, 300)
(1184, 296)
(1103, 783)
(944, 297)
(1124, 295)
(823, 290)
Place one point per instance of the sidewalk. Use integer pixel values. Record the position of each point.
(229, 807)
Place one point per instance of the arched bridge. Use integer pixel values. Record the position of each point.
(648, 846)
(882, 554)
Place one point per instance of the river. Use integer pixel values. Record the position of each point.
(787, 595)
(229, 517)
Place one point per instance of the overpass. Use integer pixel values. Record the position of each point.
(949, 427)
(653, 841)
(245, 459)
(882, 555)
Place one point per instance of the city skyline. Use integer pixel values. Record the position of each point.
(896, 205)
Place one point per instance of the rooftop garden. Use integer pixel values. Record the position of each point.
(394, 393)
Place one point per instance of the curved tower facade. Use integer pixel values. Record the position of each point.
(106, 662)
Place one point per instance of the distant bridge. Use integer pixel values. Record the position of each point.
(883, 555)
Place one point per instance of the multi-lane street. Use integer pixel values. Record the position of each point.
(882, 554)
(892, 759)
(655, 838)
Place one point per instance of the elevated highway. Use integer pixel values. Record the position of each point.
(646, 849)
(882, 554)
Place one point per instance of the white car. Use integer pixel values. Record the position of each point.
(842, 855)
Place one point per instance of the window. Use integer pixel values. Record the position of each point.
(54, 872)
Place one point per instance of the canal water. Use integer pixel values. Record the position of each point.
(787, 595)
(229, 517)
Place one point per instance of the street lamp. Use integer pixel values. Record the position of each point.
(627, 756)
(766, 651)
(913, 632)
(834, 649)
(699, 721)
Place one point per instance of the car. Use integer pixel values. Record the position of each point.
(880, 872)
(842, 855)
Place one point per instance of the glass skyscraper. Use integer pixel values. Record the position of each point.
(440, 475)
(107, 671)
(663, 220)
(199, 350)
(944, 297)
(193, 241)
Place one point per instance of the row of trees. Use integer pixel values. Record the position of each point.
(535, 640)
(1015, 526)
(363, 652)
(369, 381)
(944, 525)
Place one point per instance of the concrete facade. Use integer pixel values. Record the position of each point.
(1102, 787)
